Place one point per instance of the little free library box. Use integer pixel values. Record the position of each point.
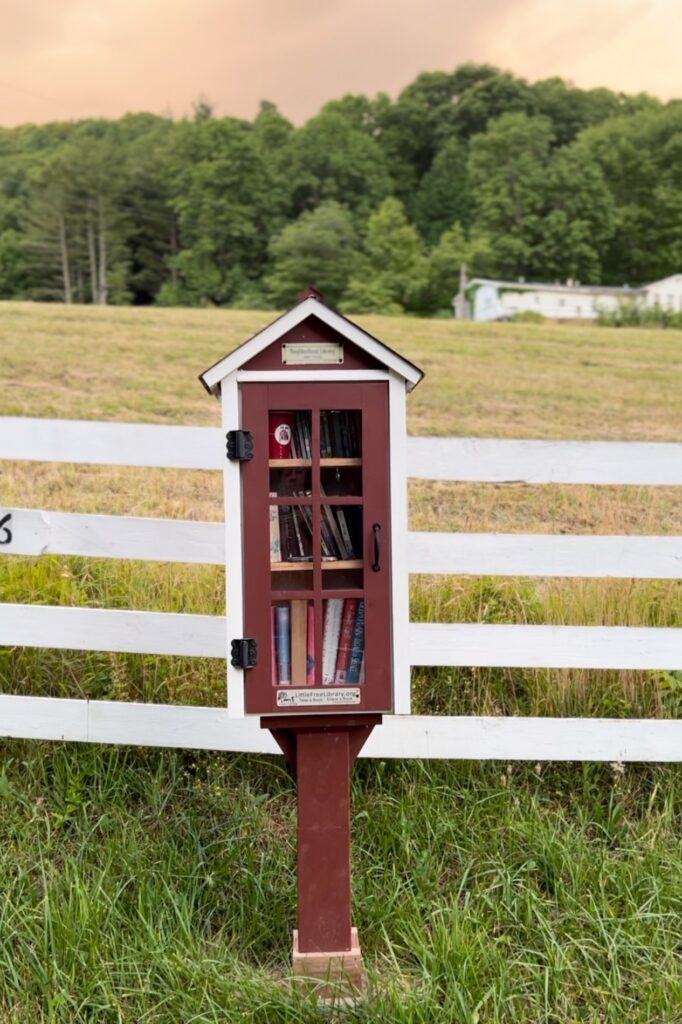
(314, 412)
(317, 600)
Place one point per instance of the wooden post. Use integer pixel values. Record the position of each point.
(321, 750)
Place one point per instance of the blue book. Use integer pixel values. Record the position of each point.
(283, 644)
(358, 647)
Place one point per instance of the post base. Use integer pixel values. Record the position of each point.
(333, 977)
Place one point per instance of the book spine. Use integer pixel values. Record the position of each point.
(350, 608)
(275, 546)
(345, 434)
(353, 425)
(297, 532)
(358, 649)
(273, 644)
(339, 548)
(283, 639)
(325, 446)
(338, 441)
(330, 642)
(310, 659)
(299, 641)
(345, 533)
(287, 534)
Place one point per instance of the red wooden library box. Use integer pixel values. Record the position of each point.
(315, 492)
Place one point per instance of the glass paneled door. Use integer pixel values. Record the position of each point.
(317, 570)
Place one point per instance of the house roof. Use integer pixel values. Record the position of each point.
(309, 307)
(571, 289)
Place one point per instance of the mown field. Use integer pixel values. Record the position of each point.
(159, 885)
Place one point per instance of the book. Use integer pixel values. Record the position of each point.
(289, 548)
(350, 607)
(273, 645)
(299, 642)
(333, 608)
(283, 644)
(358, 647)
(345, 533)
(275, 547)
(310, 654)
(325, 440)
(328, 519)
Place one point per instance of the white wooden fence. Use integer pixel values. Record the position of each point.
(33, 532)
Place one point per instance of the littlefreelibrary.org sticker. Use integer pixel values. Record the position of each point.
(318, 698)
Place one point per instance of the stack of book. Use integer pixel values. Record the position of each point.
(343, 643)
(339, 435)
(293, 644)
(291, 533)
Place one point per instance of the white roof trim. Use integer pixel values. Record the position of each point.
(310, 307)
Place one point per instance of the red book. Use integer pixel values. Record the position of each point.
(350, 609)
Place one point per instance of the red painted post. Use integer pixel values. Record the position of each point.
(322, 750)
(323, 767)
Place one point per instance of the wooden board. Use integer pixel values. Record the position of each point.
(36, 532)
(94, 629)
(114, 444)
(448, 737)
(544, 462)
(512, 554)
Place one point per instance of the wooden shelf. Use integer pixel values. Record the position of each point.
(301, 463)
(291, 566)
(346, 563)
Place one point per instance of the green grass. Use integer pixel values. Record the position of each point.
(159, 886)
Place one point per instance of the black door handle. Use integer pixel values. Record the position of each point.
(376, 530)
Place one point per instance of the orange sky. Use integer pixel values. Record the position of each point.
(62, 59)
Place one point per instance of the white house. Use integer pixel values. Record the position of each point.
(500, 300)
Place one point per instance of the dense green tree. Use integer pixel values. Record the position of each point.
(221, 190)
(413, 129)
(639, 157)
(454, 251)
(579, 218)
(444, 194)
(319, 249)
(331, 158)
(490, 98)
(508, 169)
(392, 276)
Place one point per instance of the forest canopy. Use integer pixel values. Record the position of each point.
(376, 201)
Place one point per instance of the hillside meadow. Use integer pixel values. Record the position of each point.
(160, 885)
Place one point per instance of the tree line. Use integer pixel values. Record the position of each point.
(375, 201)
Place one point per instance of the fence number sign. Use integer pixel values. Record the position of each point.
(5, 532)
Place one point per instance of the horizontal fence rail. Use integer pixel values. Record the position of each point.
(112, 444)
(409, 736)
(428, 458)
(37, 532)
(430, 644)
(544, 462)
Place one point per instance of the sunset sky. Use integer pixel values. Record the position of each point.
(65, 59)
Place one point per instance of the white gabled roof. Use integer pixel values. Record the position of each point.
(664, 280)
(212, 377)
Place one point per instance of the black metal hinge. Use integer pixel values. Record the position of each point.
(243, 653)
(239, 445)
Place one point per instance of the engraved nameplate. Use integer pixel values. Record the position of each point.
(297, 353)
